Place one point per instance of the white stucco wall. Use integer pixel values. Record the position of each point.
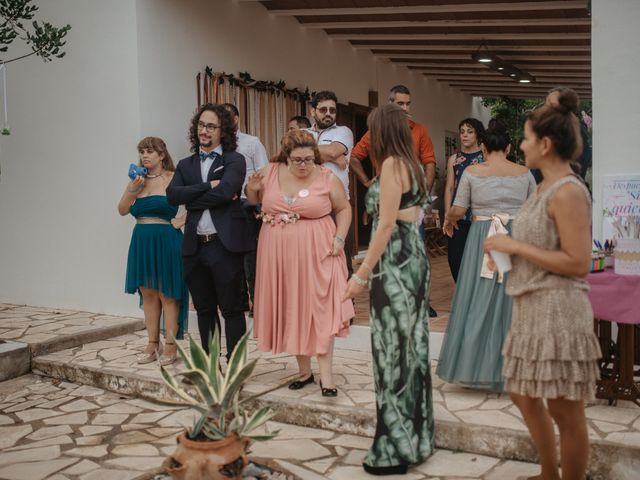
(74, 122)
(616, 99)
(130, 72)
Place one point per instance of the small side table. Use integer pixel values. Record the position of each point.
(615, 298)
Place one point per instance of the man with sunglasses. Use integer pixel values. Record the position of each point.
(216, 234)
(335, 143)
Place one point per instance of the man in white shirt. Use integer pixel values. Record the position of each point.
(255, 156)
(335, 143)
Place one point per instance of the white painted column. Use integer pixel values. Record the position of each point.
(616, 94)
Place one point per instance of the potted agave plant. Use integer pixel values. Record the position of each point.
(215, 447)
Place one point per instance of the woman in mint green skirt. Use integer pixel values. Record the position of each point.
(471, 353)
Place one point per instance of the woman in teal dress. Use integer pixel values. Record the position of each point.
(154, 264)
(480, 318)
(397, 270)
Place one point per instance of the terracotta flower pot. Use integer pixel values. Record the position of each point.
(207, 460)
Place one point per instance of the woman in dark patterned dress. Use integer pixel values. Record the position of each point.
(471, 133)
(397, 270)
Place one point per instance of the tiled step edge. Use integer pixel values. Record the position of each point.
(606, 458)
(63, 342)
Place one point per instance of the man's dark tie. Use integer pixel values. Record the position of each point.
(212, 155)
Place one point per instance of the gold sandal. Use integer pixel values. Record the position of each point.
(168, 359)
(150, 357)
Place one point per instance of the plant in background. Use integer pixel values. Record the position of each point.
(512, 112)
(45, 40)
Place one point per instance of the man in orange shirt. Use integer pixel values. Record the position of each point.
(422, 143)
(401, 96)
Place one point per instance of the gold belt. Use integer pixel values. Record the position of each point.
(152, 220)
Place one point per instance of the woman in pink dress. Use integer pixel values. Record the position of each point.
(301, 271)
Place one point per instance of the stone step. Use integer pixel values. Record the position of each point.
(47, 330)
(466, 420)
(26, 332)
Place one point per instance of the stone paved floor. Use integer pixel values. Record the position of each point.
(40, 326)
(353, 377)
(60, 430)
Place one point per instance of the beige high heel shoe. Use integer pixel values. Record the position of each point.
(151, 357)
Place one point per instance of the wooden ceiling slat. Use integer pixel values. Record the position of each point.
(442, 7)
(467, 56)
(496, 43)
(466, 73)
(337, 24)
(498, 50)
(481, 37)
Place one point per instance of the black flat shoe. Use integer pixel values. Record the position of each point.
(432, 312)
(328, 392)
(298, 384)
(392, 470)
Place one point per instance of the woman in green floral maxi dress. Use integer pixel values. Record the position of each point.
(399, 291)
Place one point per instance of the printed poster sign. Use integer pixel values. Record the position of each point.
(620, 197)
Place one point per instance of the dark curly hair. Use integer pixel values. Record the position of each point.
(476, 125)
(227, 131)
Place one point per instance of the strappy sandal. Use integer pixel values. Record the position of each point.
(168, 359)
(150, 357)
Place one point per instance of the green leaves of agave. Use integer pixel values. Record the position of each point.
(217, 394)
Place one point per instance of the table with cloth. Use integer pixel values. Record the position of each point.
(616, 299)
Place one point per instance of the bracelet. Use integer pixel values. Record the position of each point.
(340, 239)
(366, 265)
(358, 280)
(135, 190)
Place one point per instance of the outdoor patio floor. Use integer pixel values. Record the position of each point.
(476, 422)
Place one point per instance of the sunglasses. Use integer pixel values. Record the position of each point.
(323, 110)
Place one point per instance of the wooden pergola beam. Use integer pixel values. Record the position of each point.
(445, 56)
(446, 8)
(459, 73)
(470, 66)
(461, 36)
(518, 22)
(444, 48)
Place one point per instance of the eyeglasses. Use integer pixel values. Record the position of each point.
(299, 161)
(209, 127)
(323, 110)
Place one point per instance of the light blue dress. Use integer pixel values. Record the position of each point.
(480, 318)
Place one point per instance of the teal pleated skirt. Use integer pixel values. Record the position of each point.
(155, 262)
(480, 319)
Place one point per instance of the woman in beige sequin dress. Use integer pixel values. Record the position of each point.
(551, 350)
